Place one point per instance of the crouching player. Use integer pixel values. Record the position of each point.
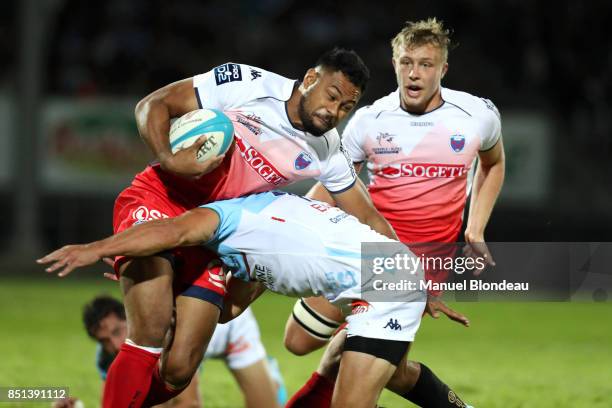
(237, 343)
(292, 246)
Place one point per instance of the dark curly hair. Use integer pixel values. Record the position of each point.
(347, 62)
(99, 308)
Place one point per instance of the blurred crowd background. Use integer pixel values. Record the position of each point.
(72, 71)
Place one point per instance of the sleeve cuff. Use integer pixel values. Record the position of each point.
(342, 190)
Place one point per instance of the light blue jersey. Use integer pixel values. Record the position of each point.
(300, 247)
(293, 245)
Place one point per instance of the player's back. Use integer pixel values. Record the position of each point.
(293, 245)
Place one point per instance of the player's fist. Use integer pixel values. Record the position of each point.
(185, 163)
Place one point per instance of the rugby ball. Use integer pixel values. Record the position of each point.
(211, 123)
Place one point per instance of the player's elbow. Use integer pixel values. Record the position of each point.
(150, 106)
(141, 106)
(183, 236)
(142, 111)
(144, 104)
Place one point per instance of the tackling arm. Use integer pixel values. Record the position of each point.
(320, 193)
(192, 228)
(356, 201)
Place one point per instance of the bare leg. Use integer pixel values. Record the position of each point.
(411, 380)
(360, 380)
(147, 293)
(147, 290)
(405, 377)
(196, 320)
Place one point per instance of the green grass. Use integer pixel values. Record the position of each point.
(514, 355)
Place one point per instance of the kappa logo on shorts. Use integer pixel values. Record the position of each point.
(227, 73)
(143, 214)
(393, 325)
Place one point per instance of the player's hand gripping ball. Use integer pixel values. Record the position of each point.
(211, 123)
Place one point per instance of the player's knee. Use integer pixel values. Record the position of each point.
(307, 330)
(404, 378)
(181, 366)
(297, 342)
(178, 375)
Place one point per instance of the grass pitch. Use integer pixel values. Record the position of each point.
(514, 355)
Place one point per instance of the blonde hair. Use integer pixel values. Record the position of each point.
(416, 34)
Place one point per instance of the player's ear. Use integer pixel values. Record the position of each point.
(310, 78)
(444, 69)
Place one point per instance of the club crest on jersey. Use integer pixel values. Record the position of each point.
(457, 142)
(302, 161)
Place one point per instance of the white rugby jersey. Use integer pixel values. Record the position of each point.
(419, 164)
(269, 152)
(293, 245)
